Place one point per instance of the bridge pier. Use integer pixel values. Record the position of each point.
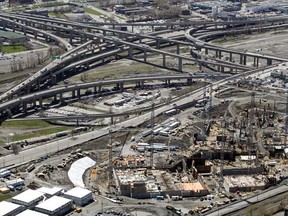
(189, 81)
(24, 106)
(41, 102)
(73, 93)
(180, 64)
(61, 98)
(95, 89)
(269, 62)
(244, 59)
(178, 49)
(35, 35)
(121, 86)
(13, 27)
(231, 57)
(206, 51)
(145, 56)
(130, 52)
(158, 44)
(164, 60)
(78, 93)
(241, 59)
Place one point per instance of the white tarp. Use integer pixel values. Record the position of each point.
(77, 170)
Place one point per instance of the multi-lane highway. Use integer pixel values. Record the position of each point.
(99, 47)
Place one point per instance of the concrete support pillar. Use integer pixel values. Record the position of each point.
(41, 102)
(78, 93)
(244, 59)
(216, 54)
(145, 56)
(178, 49)
(164, 60)
(71, 38)
(55, 98)
(231, 57)
(130, 52)
(180, 65)
(222, 69)
(257, 62)
(99, 89)
(219, 54)
(13, 27)
(269, 62)
(24, 105)
(95, 89)
(254, 62)
(112, 120)
(34, 103)
(61, 97)
(121, 86)
(189, 81)
(73, 93)
(168, 82)
(206, 51)
(35, 34)
(241, 59)
(158, 44)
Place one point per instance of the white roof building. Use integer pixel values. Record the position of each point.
(49, 192)
(55, 206)
(80, 196)
(8, 209)
(29, 212)
(28, 198)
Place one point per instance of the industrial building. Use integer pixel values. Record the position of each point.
(146, 183)
(10, 209)
(28, 198)
(29, 212)
(12, 37)
(49, 192)
(55, 206)
(80, 196)
(244, 183)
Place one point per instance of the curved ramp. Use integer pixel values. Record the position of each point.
(77, 170)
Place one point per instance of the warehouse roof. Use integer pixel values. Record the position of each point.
(11, 35)
(78, 192)
(29, 212)
(53, 203)
(50, 191)
(7, 207)
(28, 196)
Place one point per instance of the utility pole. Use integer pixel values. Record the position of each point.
(153, 127)
(251, 132)
(286, 120)
(110, 158)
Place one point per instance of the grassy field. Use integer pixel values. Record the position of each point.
(13, 48)
(5, 197)
(49, 4)
(117, 72)
(39, 133)
(29, 124)
(91, 11)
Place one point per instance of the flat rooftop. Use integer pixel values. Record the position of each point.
(53, 203)
(28, 196)
(11, 35)
(29, 212)
(7, 207)
(78, 192)
(50, 191)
